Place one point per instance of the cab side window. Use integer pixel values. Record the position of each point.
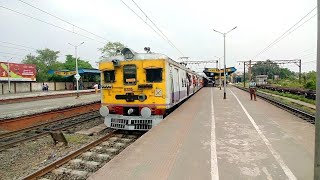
(109, 76)
(154, 75)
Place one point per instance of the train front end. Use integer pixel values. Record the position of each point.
(133, 93)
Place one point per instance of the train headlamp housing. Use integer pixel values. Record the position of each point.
(104, 111)
(146, 112)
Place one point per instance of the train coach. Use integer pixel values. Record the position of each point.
(139, 89)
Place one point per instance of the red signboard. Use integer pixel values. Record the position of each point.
(18, 72)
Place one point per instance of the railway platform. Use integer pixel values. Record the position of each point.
(211, 138)
(39, 95)
(15, 116)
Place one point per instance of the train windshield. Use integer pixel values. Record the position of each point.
(154, 75)
(109, 76)
(129, 74)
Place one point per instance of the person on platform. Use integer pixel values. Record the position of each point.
(253, 89)
(96, 86)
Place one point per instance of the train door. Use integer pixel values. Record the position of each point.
(176, 83)
(172, 85)
(188, 84)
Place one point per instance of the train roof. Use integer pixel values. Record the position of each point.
(146, 56)
(138, 56)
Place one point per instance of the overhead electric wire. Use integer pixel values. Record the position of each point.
(170, 42)
(142, 19)
(163, 37)
(51, 24)
(297, 27)
(17, 45)
(15, 48)
(301, 52)
(306, 55)
(63, 20)
(281, 37)
(308, 62)
(10, 53)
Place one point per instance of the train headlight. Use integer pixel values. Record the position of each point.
(145, 112)
(104, 111)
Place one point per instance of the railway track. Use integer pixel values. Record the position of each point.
(10, 139)
(297, 112)
(81, 163)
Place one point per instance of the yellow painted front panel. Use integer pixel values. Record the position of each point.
(119, 88)
(152, 64)
(106, 66)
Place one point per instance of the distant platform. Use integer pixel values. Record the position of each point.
(15, 116)
(32, 96)
(212, 72)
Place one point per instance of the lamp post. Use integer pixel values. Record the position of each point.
(219, 72)
(224, 60)
(9, 85)
(77, 76)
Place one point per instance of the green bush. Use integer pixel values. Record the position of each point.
(311, 84)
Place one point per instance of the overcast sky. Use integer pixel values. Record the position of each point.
(188, 24)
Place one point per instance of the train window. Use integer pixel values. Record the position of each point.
(154, 75)
(129, 74)
(109, 76)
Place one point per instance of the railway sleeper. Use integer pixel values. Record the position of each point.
(92, 156)
(83, 164)
(77, 173)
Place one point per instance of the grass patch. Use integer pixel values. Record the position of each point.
(292, 96)
(299, 106)
(76, 138)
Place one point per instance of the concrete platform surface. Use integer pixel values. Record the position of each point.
(39, 94)
(34, 107)
(211, 138)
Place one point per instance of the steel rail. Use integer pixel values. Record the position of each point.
(67, 158)
(33, 127)
(45, 132)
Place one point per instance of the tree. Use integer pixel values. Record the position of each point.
(286, 73)
(70, 63)
(270, 68)
(110, 49)
(311, 82)
(48, 57)
(44, 61)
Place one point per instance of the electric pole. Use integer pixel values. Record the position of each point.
(317, 123)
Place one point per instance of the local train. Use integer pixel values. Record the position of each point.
(139, 89)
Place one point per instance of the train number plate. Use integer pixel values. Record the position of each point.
(128, 90)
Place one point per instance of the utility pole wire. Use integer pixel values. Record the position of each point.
(50, 24)
(280, 37)
(63, 20)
